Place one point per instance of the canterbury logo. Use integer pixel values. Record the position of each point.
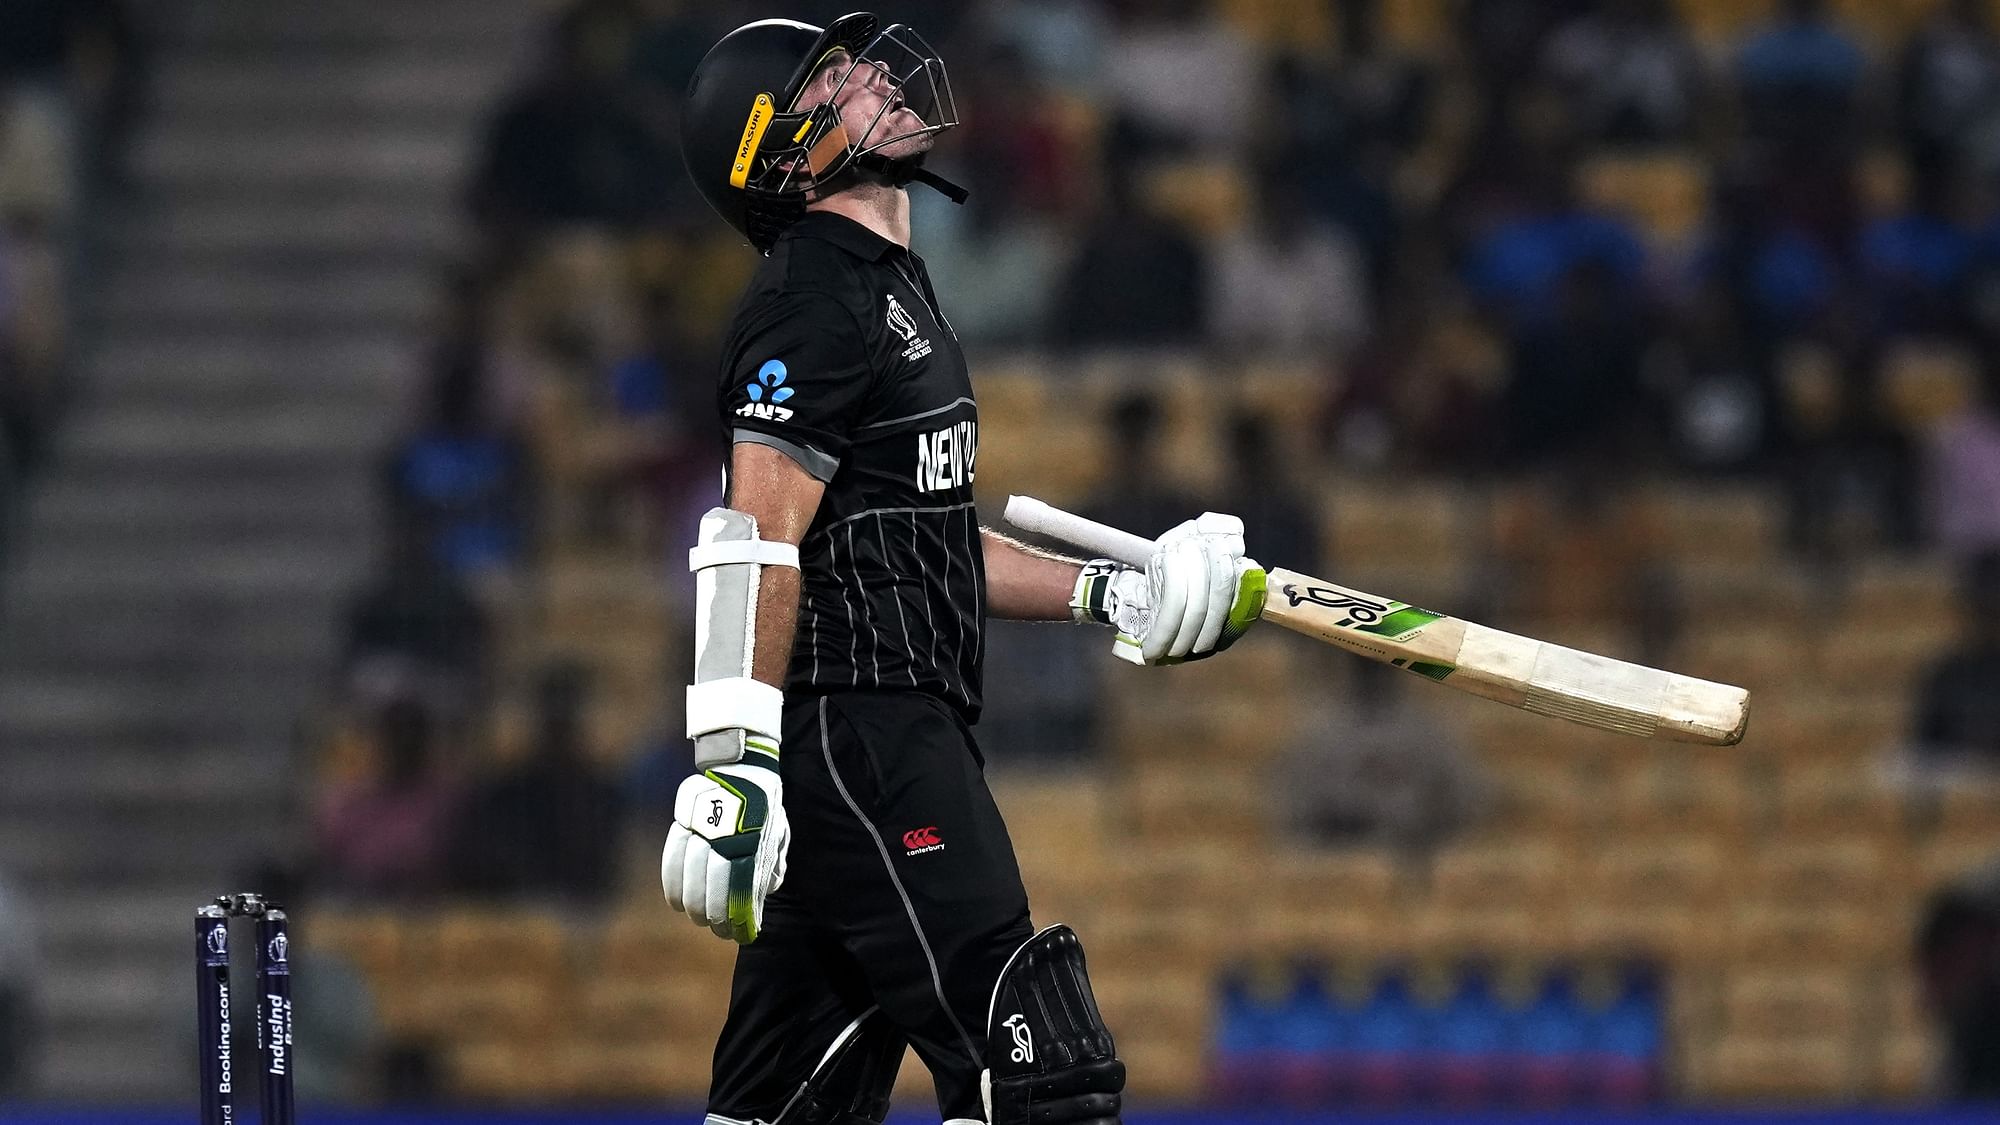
(918, 838)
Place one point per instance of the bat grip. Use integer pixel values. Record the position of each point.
(1030, 514)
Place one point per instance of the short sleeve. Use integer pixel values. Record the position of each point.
(796, 378)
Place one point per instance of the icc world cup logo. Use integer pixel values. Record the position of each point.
(280, 949)
(218, 941)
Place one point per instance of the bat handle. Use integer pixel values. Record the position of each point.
(1030, 514)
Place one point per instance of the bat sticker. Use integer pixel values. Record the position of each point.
(1362, 611)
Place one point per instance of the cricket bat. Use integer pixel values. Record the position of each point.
(1535, 676)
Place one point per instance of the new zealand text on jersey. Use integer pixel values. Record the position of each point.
(944, 457)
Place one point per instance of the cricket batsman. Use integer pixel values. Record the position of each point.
(839, 827)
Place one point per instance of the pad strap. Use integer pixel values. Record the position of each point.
(735, 702)
(764, 552)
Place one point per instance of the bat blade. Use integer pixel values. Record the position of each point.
(1535, 676)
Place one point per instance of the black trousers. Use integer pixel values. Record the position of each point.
(901, 892)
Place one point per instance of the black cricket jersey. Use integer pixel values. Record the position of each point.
(838, 357)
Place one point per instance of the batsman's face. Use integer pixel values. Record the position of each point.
(870, 91)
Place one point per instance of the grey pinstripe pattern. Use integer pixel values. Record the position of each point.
(897, 597)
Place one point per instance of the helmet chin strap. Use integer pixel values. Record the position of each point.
(901, 173)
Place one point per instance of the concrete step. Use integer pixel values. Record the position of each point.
(211, 849)
(194, 235)
(429, 162)
(85, 707)
(390, 86)
(155, 506)
(331, 26)
(115, 776)
(374, 297)
(253, 573)
(157, 646)
(248, 367)
(121, 1066)
(163, 439)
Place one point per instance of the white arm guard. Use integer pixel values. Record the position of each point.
(725, 707)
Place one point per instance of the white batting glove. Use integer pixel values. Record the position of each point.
(726, 849)
(1197, 595)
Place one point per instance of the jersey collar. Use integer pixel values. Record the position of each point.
(844, 233)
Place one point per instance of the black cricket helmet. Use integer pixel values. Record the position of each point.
(757, 158)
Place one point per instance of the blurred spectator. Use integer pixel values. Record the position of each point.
(1155, 46)
(1279, 521)
(1287, 282)
(1140, 495)
(1569, 551)
(1800, 75)
(1631, 72)
(386, 832)
(579, 145)
(1963, 463)
(1914, 263)
(1137, 280)
(1370, 770)
(1336, 135)
(1948, 87)
(336, 1017)
(1043, 697)
(415, 632)
(1715, 400)
(1527, 265)
(462, 479)
(1573, 378)
(549, 825)
(20, 1003)
(1499, 35)
(1851, 478)
(994, 263)
(1958, 958)
(1022, 158)
(31, 341)
(1381, 94)
(651, 443)
(1062, 40)
(1958, 711)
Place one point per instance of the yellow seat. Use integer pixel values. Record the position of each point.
(478, 943)
(1816, 798)
(1788, 1068)
(1209, 197)
(1778, 934)
(1924, 382)
(1792, 1003)
(1664, 193)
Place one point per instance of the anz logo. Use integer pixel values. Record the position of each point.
(771, 378)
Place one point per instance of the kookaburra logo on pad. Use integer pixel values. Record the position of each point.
(905, 326)
(1024, 1043)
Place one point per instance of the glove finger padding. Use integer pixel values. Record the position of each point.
(1192, 565)
(1246, 605)
(673, 866)
(1219, 571)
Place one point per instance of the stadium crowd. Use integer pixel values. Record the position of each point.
(1570, 244)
